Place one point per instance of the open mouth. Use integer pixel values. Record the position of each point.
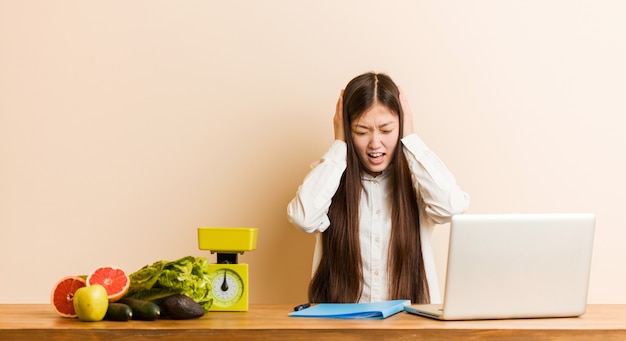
(376, 158)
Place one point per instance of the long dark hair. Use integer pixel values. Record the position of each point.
(339, 276)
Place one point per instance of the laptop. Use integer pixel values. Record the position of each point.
(509, 266)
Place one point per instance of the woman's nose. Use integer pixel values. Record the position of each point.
(375, 140)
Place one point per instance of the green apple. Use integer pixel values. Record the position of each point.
(91, 302)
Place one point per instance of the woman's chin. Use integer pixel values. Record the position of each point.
(374, 171)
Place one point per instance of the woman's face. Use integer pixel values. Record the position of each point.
(375, 136)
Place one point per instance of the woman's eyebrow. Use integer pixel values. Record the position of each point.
(357, 125)
(386, 124)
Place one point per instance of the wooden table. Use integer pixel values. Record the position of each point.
(270, 322)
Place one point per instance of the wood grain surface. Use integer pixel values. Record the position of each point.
(270, 322)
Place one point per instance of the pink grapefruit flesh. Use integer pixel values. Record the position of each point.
(113, 279)
(62, 295)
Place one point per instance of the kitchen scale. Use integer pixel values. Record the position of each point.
(228, 277)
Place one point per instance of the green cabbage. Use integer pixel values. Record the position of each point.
(187, 276)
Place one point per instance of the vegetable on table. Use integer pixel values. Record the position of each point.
(187, 276)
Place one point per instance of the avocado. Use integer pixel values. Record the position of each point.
(181, 307)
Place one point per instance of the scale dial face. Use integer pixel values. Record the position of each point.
(227, 287)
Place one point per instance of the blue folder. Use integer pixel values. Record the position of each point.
(372, 311)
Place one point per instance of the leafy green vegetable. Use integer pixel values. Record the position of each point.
(188, 276)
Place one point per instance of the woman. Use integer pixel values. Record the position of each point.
(374, 199)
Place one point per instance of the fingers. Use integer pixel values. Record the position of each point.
(338, 119)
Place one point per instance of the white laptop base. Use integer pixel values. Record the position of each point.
(504, 266)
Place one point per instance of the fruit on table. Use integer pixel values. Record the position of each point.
(62, 295)
(113, 279)
(91, 303)
(181, 307)
(187, 294)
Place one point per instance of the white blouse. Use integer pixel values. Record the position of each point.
(439, 198)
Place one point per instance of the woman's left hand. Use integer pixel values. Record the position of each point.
(408, 115)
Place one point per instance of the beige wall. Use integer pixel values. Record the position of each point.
(125, 125)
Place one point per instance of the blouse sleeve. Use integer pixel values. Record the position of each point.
(434, 182)
(308, 210)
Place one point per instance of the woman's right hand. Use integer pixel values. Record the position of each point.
(338, 119)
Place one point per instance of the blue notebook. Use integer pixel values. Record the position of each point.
(372, 311)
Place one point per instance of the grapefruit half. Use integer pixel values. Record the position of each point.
(113, 279)
(62, 295)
